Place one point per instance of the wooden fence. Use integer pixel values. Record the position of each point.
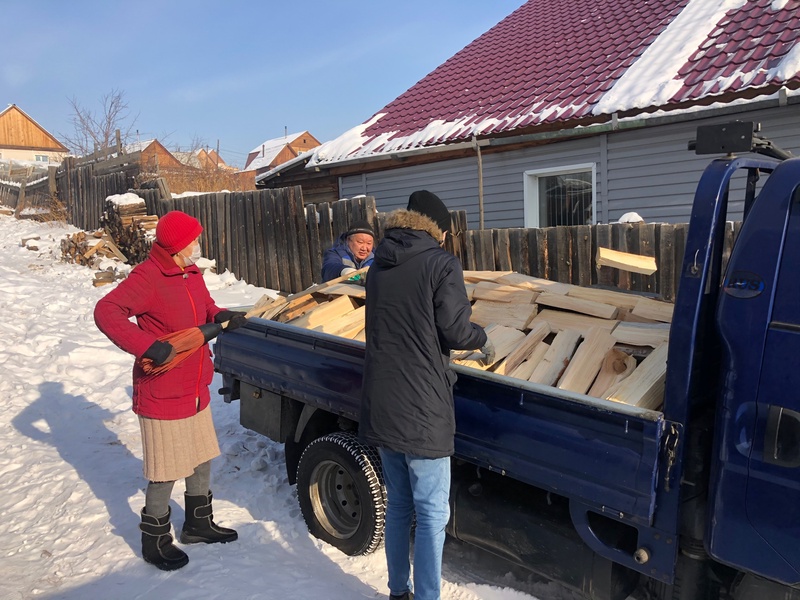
(267, 237)
(567, 254)
(82, 187)
(271, 239)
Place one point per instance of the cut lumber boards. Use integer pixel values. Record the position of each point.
(535, 284)
(523, 351)
(587, 307)
(654, 309)
(504, 339)
(616, 366)
(602, 343)
(557, 357)
(486, 312)
(621, 300)
(325, 312)
(559, 320)
(348, 325)
(645, 386)
(347, 289)
(526, 368)
(642, 334)
(624, 261)
(585, 363)
(487, 290)
(476, 276)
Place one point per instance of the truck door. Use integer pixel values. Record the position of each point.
(755, 522)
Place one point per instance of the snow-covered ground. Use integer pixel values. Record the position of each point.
(71, 473)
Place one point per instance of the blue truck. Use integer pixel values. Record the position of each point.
(700, 499)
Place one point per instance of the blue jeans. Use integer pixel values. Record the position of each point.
(422, 485)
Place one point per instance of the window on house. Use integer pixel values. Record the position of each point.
(41, 158)
(563, 196)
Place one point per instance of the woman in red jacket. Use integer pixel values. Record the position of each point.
(165, 294)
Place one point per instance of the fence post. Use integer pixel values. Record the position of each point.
(20, 200)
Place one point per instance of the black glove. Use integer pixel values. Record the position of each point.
(160, 352)
(210, 331)
(235, 319)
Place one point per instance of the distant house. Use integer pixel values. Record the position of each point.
(574, 112)
(22, 138)
(155, 157)
(272, 153)
(202, 159)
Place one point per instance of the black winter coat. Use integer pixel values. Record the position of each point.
(417, 311)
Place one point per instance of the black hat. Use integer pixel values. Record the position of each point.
(428, 204)
(360, 226)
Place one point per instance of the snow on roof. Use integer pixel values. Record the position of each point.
(303, 156)
(266, 152)
(190, 158)
(552, 63)
(137, 146)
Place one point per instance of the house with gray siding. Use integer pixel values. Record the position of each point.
(577, 113)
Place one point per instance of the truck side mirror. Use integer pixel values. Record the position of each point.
(782, 437)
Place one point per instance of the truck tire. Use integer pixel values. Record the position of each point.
(341, 493)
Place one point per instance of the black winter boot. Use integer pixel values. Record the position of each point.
(199, 525)
(157, 546)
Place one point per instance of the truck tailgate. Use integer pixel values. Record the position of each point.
(603, 453)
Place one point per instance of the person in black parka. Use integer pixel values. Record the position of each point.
(417, 310)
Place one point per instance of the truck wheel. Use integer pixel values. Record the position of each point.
(341, 493)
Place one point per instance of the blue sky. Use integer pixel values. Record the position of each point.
(234, 72)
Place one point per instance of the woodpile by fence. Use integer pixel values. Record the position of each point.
(130, 227)
(84, 248)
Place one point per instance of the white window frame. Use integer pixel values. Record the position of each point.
(530, 189)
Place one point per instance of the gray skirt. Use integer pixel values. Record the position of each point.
(173, 448)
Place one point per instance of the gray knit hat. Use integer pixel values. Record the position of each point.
(360, 226)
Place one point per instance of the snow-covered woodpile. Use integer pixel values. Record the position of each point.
(601, 343)
(126, 220)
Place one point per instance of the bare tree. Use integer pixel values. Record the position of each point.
(94, 130)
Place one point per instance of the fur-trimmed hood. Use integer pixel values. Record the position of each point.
(409, 219)
(407, 234)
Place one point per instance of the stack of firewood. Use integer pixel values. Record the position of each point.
(601, 343)
(93, 250)
(130, 226)
(87, 248)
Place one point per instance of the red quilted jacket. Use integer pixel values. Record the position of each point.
(163, 298)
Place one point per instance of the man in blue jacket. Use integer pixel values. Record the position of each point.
(417, 311)
(352, 251)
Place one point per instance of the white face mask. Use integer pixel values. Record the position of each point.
(196, 255)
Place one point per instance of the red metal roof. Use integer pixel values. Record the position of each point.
(742, 49)
(551, 62)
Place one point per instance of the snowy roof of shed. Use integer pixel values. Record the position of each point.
(562, 64)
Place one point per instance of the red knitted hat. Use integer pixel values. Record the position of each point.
(176, 230)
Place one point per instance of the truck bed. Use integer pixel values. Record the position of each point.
(602, 453)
